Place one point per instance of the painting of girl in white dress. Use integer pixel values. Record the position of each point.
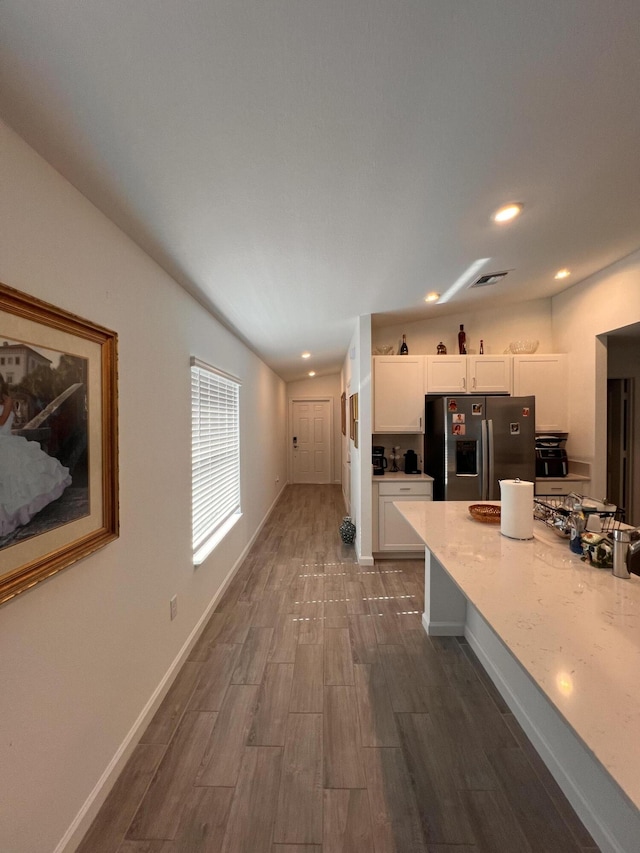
(43, 440)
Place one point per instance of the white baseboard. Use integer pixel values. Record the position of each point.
(442, 629)
(92, 805)
(398, 555)
(363, 560)
(612, 820)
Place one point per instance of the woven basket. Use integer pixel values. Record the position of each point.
(486, 513)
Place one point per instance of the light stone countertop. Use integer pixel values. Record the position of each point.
(575, 629)
(401, 477)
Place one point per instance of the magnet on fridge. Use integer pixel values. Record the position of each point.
(526, 411)
(514, 429)
(453, 406)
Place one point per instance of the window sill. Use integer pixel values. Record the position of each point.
(214, 540)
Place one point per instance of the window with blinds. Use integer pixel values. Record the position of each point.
(215, 456)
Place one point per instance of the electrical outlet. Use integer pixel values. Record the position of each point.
(173, 607)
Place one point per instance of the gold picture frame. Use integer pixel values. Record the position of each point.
(43, 349)
(353, 419)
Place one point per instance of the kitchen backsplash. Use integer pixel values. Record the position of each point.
(404, 442)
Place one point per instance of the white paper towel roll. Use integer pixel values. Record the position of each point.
(516, 510)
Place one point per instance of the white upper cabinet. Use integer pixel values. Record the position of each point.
(401, 381)
(398, 393)
(489, 374)
(468, 374)
(545, 376)
(445, 373)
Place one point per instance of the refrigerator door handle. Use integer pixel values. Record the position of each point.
(487, 460)
(491, 466)
(484, 444)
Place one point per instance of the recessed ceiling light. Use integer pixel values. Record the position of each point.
(306, 355)
(432, 297)
(562, 273)
(508, 212)
(312, 373)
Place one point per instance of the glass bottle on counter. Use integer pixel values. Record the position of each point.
(462, 341)
(576, 529)
(441, 349)
(481, 347)
(404, 349)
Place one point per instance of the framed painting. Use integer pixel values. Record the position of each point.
(58, 440)
(353, 426)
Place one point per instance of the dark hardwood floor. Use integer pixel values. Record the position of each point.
(315, 716)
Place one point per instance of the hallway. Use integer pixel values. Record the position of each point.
(315, 716)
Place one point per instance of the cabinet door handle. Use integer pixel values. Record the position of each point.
(474, 383)
(464, 384)
(404, 489)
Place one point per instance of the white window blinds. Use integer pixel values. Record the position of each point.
(215, 453)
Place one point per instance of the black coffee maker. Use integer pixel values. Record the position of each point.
(410, 462)
(378, 459)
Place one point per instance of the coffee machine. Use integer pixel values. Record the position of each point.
(378, 459)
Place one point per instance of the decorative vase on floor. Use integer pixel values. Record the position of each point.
(347, 530)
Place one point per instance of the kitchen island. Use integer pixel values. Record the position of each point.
(561, 641)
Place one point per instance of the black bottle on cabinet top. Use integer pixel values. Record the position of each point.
(462, 341)
(404, 349)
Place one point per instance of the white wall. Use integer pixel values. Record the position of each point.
(82, 653)
(356, 377)
(497, 326)
(345, 441)
(323, 386)
(601, 303)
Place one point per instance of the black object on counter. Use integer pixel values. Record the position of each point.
(551, 456)
(410, 462)
(378, 459)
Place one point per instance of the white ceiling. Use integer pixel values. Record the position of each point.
(297, 163)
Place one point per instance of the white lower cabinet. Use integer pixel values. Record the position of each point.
(394, 533)
(551, 487)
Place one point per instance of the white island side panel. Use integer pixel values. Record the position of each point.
(573, 628)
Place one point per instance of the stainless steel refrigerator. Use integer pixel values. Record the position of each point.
(473, 442)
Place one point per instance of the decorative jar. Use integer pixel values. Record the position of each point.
(347, 530)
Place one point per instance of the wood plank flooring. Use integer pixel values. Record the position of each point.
(315, 716)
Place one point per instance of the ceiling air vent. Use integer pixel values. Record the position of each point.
(489, 278)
